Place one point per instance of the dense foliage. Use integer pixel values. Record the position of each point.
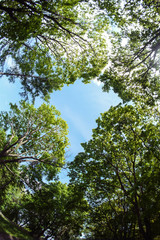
(133, 71)
(119, 172)
(50, 44)
(54, 211)
(114, 191)
(32, 146)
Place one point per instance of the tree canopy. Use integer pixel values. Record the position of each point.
(33, 141)
(54, 211)
(113, 191)
(50, 45)
(119, 172)
(133, 71)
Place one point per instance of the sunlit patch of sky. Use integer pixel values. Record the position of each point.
(80, 105)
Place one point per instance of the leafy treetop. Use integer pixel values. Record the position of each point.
(119, 173)
(50, 44)
(36, 137)
(133, 71)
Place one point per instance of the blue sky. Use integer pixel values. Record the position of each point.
(80, 105)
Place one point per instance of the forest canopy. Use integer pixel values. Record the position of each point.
(119, 172)
(50, 44)
(113, 189)
(55, 44)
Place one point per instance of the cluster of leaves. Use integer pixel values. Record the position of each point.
(50, 44)
(32, 152)
(119, 172)
(133, 71)
(34, 137)
(55, 44)
(114, 188)
(54, 211)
